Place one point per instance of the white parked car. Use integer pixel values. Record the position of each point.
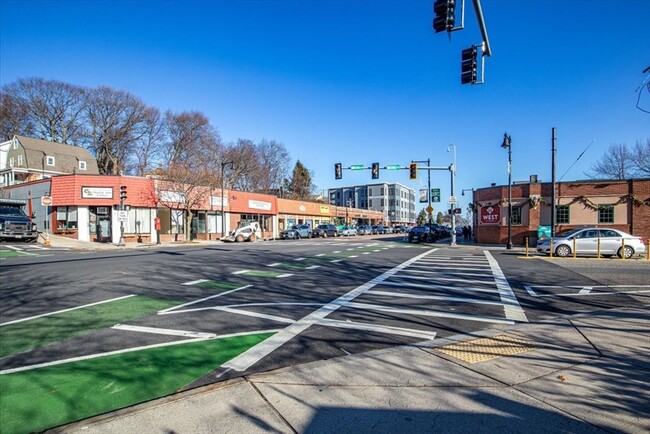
(586, 241)
(348, 231)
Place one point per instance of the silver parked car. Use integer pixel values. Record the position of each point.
(297, 232)
(364, 230)
(348, 231)
(586, 240)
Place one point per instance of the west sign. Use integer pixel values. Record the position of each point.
(490, 214)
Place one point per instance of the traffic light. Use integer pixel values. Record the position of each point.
(413, 171)
(122, 192)
(468, 65)
(445, 15)
(375, 170)
(457, 210)
(338, 171)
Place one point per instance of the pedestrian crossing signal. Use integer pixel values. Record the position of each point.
(413, 171)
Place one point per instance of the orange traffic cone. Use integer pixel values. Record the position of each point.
(46, 243)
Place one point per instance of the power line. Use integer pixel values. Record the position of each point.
(574, 163)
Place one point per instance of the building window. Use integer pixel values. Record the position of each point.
(369, 203)
(50, 161)
(381, 191)
(605, 213)
(11, 162)
(138, 221)
(562, 214)
(82, 165)
(382, 202)
(516, 215)
(66, 217)
(15, 144)
(20, 160)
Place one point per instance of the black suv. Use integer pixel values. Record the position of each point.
(325, 231)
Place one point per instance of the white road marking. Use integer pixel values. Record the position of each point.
(447, 279)
(282, 276)
(312, 267)
(195, 282)
(241, 271)
(168, 310)
(127, 350)
(275, 264)
(434, 287)
(320, 254)
(300, 259)
(336, 260)
(511, 305)
(336, 251)
(428, 312)
(451, 273)
(254, 314)
(353, 256)
(585, 290)
(377, 328)
(434, 297)
(66, 310)
(168, 332)
(248, 358)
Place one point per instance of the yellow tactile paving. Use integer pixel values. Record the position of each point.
(484, 349)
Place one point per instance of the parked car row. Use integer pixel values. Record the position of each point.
(330, 230)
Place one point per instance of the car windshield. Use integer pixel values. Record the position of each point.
(568, 233)
(11, 212)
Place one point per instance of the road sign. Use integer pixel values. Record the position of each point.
(453, 200)
(394, 167)
(46, 200)
(429, 209)
(357, 167)
(122, 216)
(435, 195)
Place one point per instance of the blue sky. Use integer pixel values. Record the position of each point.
(359, 82)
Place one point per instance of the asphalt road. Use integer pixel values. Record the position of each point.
(323, 298)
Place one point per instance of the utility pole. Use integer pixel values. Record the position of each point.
(553, 153)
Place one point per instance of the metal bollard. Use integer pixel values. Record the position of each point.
(574, 248)
(526, 246)
(598, 250)
(622, 248)
(550, 247)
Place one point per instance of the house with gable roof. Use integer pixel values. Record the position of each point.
(24, 159)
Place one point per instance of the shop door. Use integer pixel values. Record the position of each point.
(104, 230)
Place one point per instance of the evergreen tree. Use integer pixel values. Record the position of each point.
(300, 186)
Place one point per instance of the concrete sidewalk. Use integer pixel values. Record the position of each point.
(583, 374)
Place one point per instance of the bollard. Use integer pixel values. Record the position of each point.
(598, 249)
(647, 251)
(622, 248)
(574, 248)
(550, 247)
(526, 238)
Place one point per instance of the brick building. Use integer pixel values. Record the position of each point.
(618, 204)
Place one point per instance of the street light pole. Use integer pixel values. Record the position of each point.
(453, 181)
(223, 216)
(507, 144)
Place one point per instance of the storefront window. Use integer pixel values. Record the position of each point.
(178, 226)
(66, 217)
(139, 221)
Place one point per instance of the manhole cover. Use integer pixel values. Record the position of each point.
(481, 350)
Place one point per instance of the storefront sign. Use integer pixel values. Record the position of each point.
(490, 214)
(171, 197)
(324, 209)
(97, 192)
(258, 204)
(218, 200)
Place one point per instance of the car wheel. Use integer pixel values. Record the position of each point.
(252, 238)
(324, 234)
(297, 236)
(629, 251)
(562, 251)
(239, 239)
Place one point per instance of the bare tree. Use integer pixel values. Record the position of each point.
(147, 152)
(274, 166)
(183, 187)
(55, 108)
(191, 140)
(615, 164)
(245, 165)
(640, 159)
(14, 116)
(116, 121)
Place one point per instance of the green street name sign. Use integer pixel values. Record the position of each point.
(357, 167)
(435, 195)
(393, 167)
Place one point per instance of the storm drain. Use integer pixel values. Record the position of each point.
(482, 350)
